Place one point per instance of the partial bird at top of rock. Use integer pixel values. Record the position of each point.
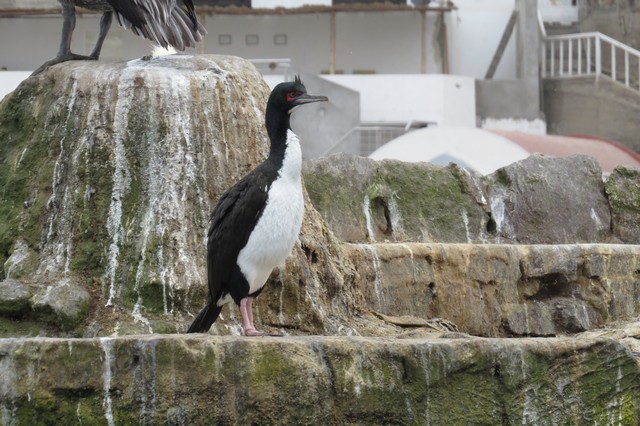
(164, 22)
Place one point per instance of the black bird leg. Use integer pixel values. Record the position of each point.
(64, 53)
(105, 24)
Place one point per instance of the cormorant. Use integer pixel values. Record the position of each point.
(257, 221)
(164, 22)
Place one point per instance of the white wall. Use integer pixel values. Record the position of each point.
(560, 11)
(307, 37)
(9, 80)
(26, 43)
(266, 4)
(383, 42)
(440, 99)
(475, 30)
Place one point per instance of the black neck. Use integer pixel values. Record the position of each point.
(277, 123)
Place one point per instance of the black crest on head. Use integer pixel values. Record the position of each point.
(297, 79)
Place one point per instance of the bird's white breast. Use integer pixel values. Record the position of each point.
(277, 229)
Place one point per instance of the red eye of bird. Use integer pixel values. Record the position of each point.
(292, 95)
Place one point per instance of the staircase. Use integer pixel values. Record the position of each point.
(590, 54)
(591, 86)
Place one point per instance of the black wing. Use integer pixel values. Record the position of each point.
(232, 221)
(165, 22)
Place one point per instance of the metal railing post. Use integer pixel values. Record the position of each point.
(553, 58)
(626, 68)
(598, 55)
(570, 57)
(613, 62)
(579, 56)
(544, 58)
(589, 56)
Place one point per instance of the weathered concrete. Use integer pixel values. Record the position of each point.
(619, 19)
(515, 99)
(501, 290)
(597, 107)
(318, 380)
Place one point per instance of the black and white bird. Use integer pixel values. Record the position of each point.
(164, 22)
(257, 221)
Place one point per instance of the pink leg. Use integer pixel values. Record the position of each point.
(246, 312)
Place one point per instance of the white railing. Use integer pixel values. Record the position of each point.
(590, 54)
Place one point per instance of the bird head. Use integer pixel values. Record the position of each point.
(285, 97)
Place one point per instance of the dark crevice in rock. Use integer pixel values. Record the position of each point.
(382, 215)
(549, 286)
(491, 225)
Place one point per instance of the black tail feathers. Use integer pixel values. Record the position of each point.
(205, 319)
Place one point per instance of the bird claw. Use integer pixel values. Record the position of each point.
(251, 332)
(64, 58)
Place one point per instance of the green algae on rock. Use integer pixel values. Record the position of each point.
(108, 172)
(319, 380)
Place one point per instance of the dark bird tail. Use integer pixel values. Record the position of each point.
(205, 318)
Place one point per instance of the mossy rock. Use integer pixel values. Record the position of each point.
(364, 200)
(623, 190)
(14, 298)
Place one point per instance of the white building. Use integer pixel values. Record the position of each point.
(402, 63)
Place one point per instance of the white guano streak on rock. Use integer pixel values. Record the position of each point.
(377, 278)
(425, 358)
(366, 209)
(56, 247)
(145, 380)
(499, 215)
(8, 389)
(107, 345)
(465, 221)
(172, 175)
(121, 176)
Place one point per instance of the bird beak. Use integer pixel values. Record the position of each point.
(308, 99)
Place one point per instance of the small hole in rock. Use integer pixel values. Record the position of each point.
(382, 215)
(492, 227)
(432, 288)
(311, 254)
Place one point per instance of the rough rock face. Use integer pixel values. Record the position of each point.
(107, 176)
(623, 191)
(544, 200)
(318, 380)
(502, 290)
(391, 200)
(109, 172)
(539, 200)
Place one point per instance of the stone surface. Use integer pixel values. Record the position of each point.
(545, 200)
(318, 380)
(365, 201)
(623, 190)
(65, 303)
(109, 172)
(14, 298)
(539, 200)
(501, 290)
(22, 262)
